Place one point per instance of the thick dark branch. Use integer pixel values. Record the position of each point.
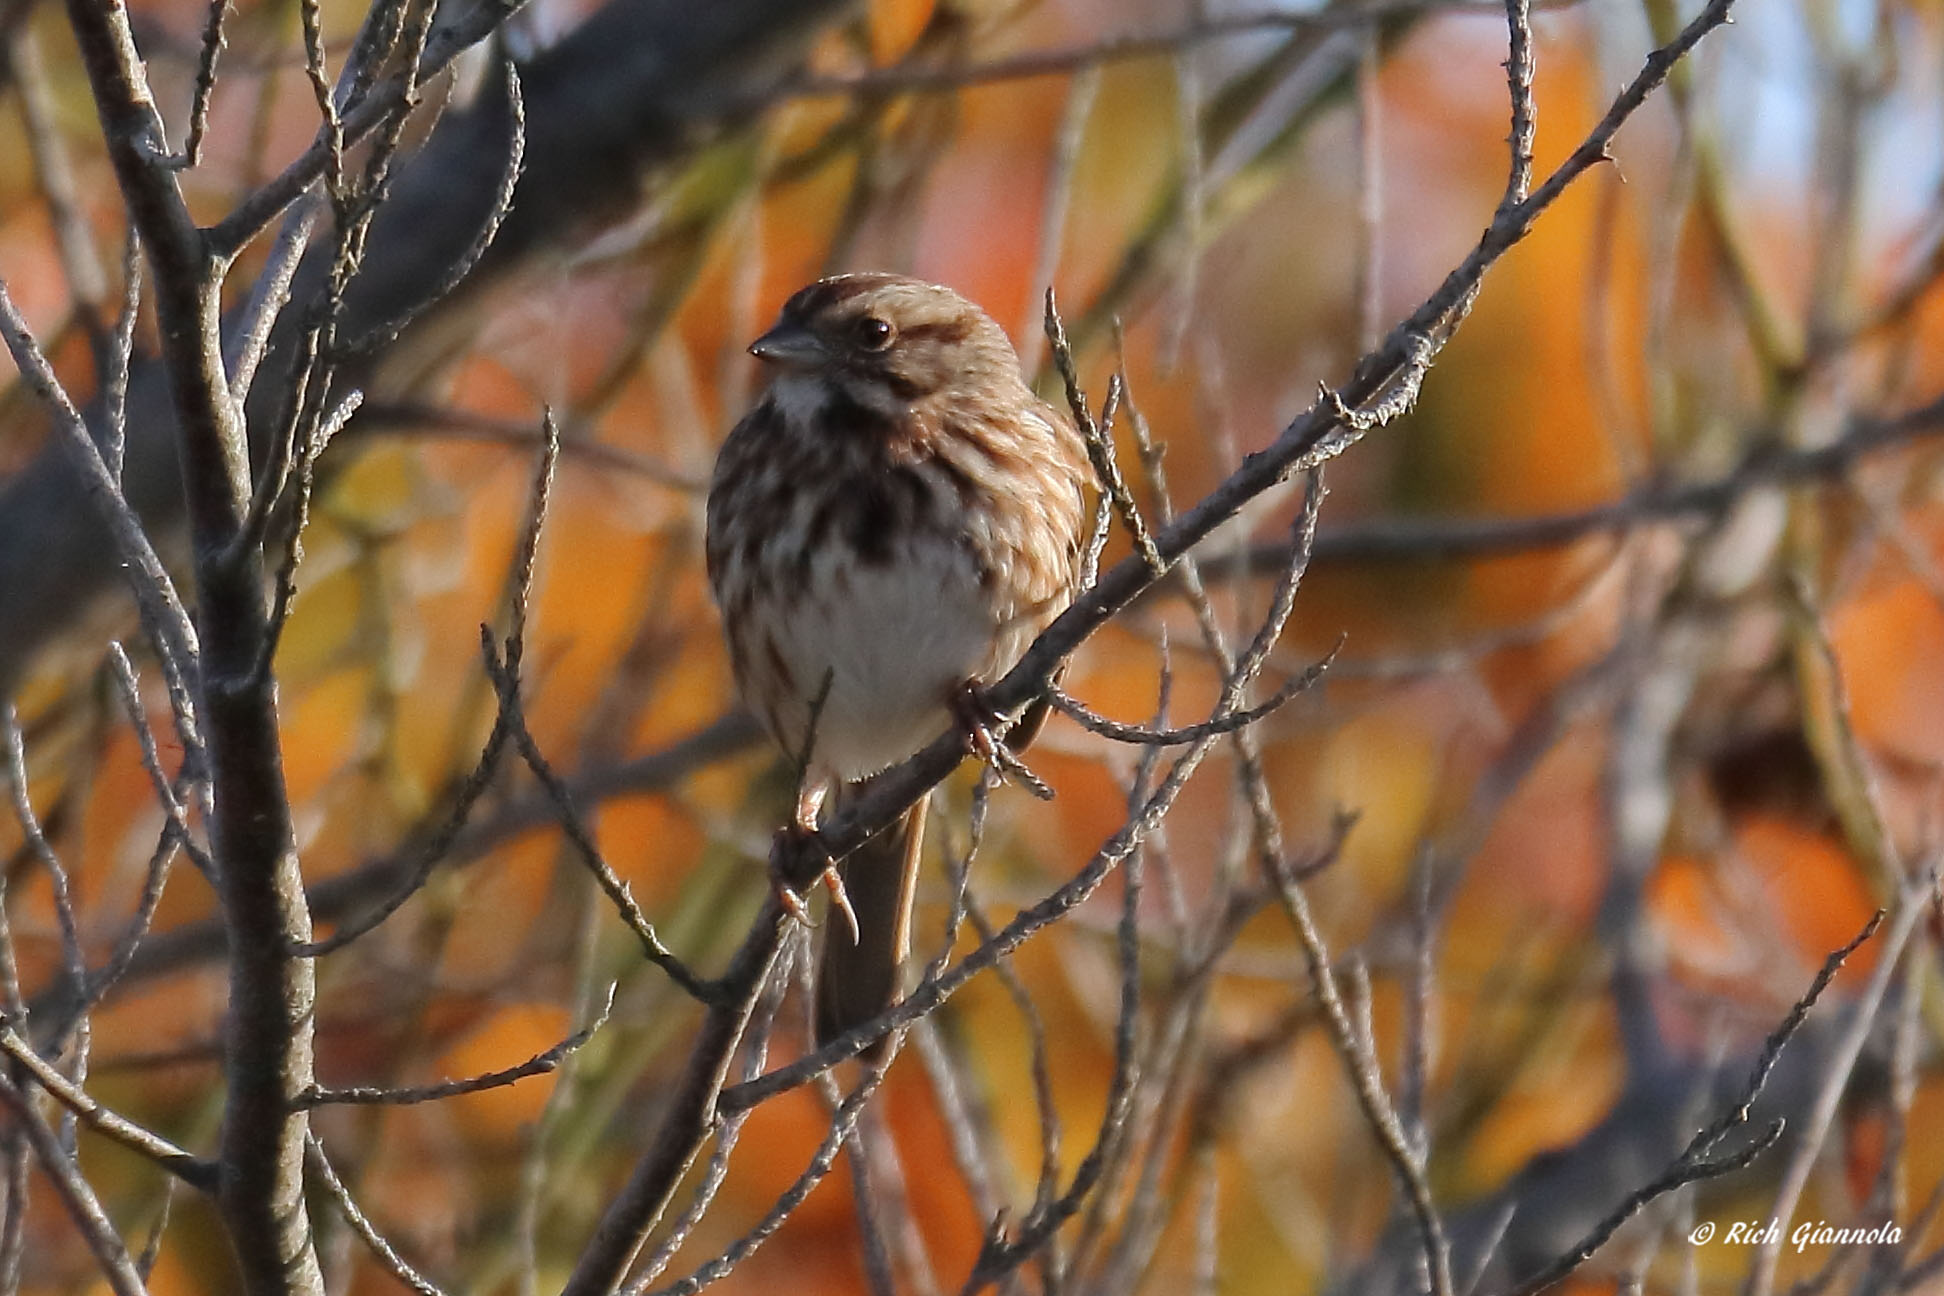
(271, 993)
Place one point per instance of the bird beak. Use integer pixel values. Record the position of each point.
(790, 346)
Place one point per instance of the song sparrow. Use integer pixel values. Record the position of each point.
(892, 524)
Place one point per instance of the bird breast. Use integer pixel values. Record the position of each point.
(896, 574)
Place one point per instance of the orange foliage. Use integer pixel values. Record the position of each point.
(1888, 644)
(1813, 884)
(895, 26)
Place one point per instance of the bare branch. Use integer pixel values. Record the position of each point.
(163, 615)
(1427, 540)
(367, 1232)
(43, 850)
(541, 1063)
(82, 1206)
(841, 1126)
(54, 172)
(502, 204)
(192, 1170)
(1099, 439)
(755, 1055)
(1914, 904)
(380, 107)
(1201, 29)
(1140, 735)
(1518, 73)
(1702, 1158)
(212, 49)
(121, 361)
(250, 336)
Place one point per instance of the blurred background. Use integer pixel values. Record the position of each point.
(1624, 776)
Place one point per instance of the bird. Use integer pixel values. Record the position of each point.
(894, 521)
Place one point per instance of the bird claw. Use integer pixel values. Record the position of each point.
(979, 722)
(832, 881)
(983, 726)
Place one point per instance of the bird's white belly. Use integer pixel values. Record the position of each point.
(897, 640)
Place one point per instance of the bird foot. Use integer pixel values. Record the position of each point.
(984, 729)
(797, 840)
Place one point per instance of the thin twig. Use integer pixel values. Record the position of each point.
(18, 1160)
(347, 1206)
(1060, 167)
(384, 103)
(246, 342)
(1519, 72)
(585, 848)
(1914, 904)
(83, 1207)
(502, 204)
(163, 614)
(1139, 735)
(192, 1170)
(542, 1063)
(284, 591)
(1446, 539)
(1360, 1063)
(755, 1057)
(212, 49)
(1115, 48)
(1702, 1158)
(1098, 437)
(176, 836)
(841, 1125)
(20, 54)
(114, 384)
(73, 960)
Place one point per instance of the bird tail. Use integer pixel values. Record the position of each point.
(858, 979)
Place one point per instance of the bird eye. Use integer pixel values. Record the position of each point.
(873, 333)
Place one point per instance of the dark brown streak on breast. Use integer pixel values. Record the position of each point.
(851, 417)
(873, 521)
(885, 506)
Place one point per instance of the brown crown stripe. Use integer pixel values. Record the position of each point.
(826, 293)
